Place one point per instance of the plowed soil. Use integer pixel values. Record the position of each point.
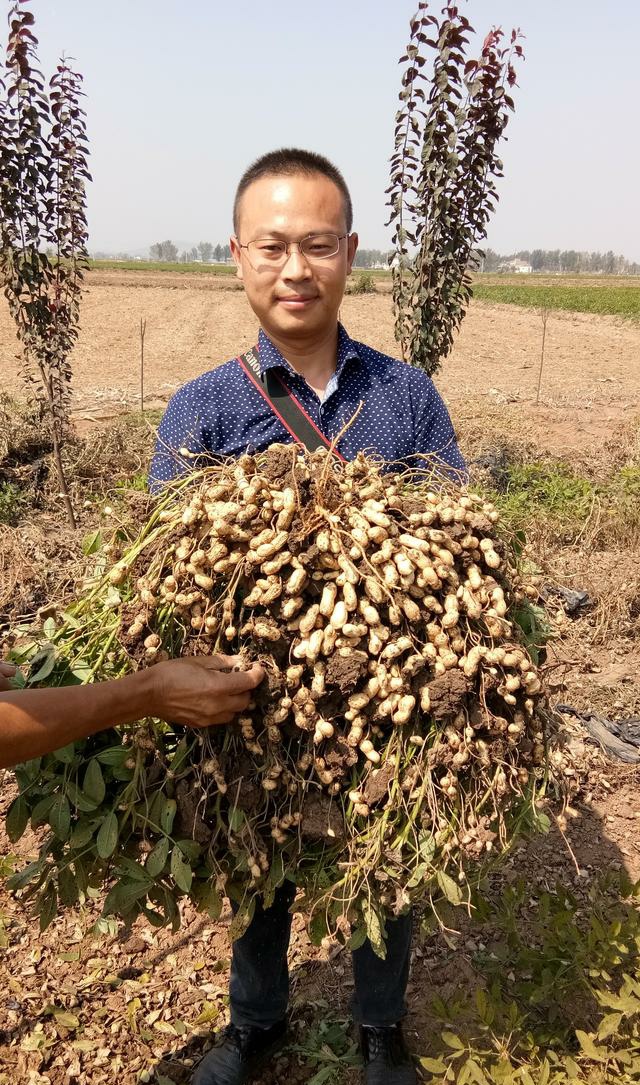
(591, 377)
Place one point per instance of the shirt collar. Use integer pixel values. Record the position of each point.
(270, 357)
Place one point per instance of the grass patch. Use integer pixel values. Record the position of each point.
(545, 491)
(159, 265)
(549, 498)
(606, 300)
(138, 482)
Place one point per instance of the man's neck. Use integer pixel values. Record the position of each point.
(315, 362)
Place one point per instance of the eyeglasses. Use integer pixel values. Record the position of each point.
(274, 252)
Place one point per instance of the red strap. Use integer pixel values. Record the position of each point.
(263, 392)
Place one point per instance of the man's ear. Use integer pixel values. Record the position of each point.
(352, 248)
(236, 253)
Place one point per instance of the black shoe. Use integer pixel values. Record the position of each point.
(387, 1060)
(239, 1052)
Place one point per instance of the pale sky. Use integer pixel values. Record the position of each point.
(181, 97)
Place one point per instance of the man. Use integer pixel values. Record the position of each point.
(197, 692)
(293, 248)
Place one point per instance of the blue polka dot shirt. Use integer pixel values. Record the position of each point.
(222, 413)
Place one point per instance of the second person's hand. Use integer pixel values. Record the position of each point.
(201, 691)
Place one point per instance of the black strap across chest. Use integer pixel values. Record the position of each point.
(284, 404)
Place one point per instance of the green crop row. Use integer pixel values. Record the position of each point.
(159, 265)
(591, 298)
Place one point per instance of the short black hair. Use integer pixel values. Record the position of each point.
(287, 162)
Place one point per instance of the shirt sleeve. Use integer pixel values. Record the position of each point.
(179, 442)
(435, 436)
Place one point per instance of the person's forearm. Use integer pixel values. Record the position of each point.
(37, 721)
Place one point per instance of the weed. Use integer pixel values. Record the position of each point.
(13, 501)
(329, 1048)
(362, 284)
(548, 491)
(559, 999)
(138, 482)
(545, 497)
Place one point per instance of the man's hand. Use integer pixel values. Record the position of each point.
(7, 671)
(202, 691)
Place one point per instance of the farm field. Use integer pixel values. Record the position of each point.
(559, 923)
(194, 321)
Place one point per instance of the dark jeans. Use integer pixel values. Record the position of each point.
(259, 984)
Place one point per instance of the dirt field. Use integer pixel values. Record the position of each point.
(592, 364)
(136, 1005)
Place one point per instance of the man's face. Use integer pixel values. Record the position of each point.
(296, 301)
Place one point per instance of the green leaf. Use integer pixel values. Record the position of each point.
(79, 800)
(481, 1002)
(93, 784)
(180, 871)
(236, 819)
(449, 888)
(107, 838)
(47, 906)
(609, 1025)
(358, 937)
(60, 817)
(375, 930)
(591, 1051)
(67, 886)
(92, 542)
(167, 816)
(180, 754)
(157, 858)
(113, 755)
(317, 927)
(40, 812)
(323, 1075)
(65, 754)
(211, 900)
(434, 1066)
(242, 919)
(26, 875)
(17, 818)
(452, 1041)
(190, 849)
(82, 878)
(82, 671)
(82, 833)
(122, 898)
(133, 870)
(42, 665)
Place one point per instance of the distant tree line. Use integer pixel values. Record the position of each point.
(205, 253)
(560, 261)
(553, 261)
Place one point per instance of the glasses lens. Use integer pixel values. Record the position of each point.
(270, 250)
(267, 249)
(320, 246)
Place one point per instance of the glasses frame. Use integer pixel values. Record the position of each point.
(287, 248)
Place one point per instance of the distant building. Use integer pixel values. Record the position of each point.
(515, 267)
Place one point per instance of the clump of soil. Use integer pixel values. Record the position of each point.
(345, 672)
(321, 818)
(448, 695)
